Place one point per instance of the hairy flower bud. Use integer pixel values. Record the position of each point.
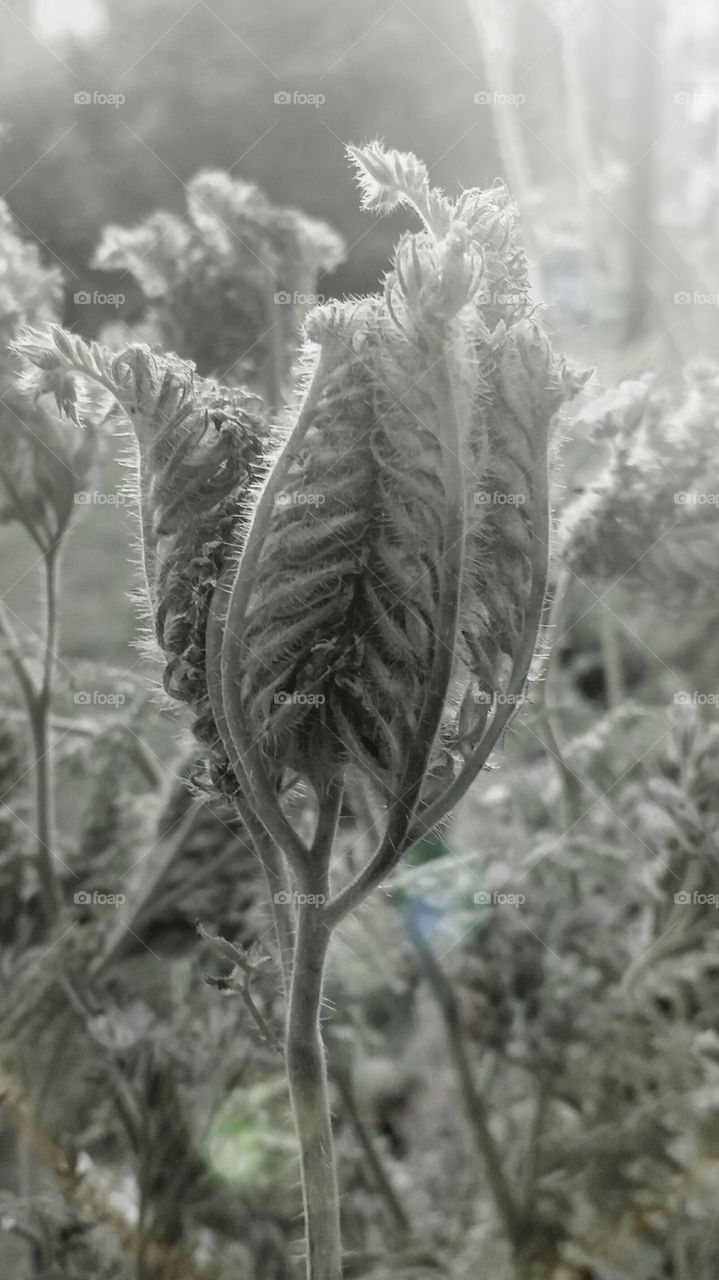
(344, 613)
(44, 462)
(201, 451)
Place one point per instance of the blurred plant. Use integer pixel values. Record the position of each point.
(229, 285)
(650, 521)
(44, 463)
(584, 980)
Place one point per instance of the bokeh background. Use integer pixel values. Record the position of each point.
(590, 1015)
(602, 117)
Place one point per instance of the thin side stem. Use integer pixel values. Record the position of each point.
(276, 881)
(531, 1166)
(380, 1177)
(570, 783)
(611, 660)
(38, 698)
(40, 726)
(474, 1104)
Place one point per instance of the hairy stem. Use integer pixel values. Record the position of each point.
(570, 783)
(307, 1077)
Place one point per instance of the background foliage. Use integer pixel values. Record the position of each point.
(561, 939)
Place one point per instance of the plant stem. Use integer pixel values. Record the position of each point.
(37, 701)
(474, 1104)
(611, 659)
(42, 747)
(531, 1168)
(571, 786)
(307, 1076)
(364, 1138)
